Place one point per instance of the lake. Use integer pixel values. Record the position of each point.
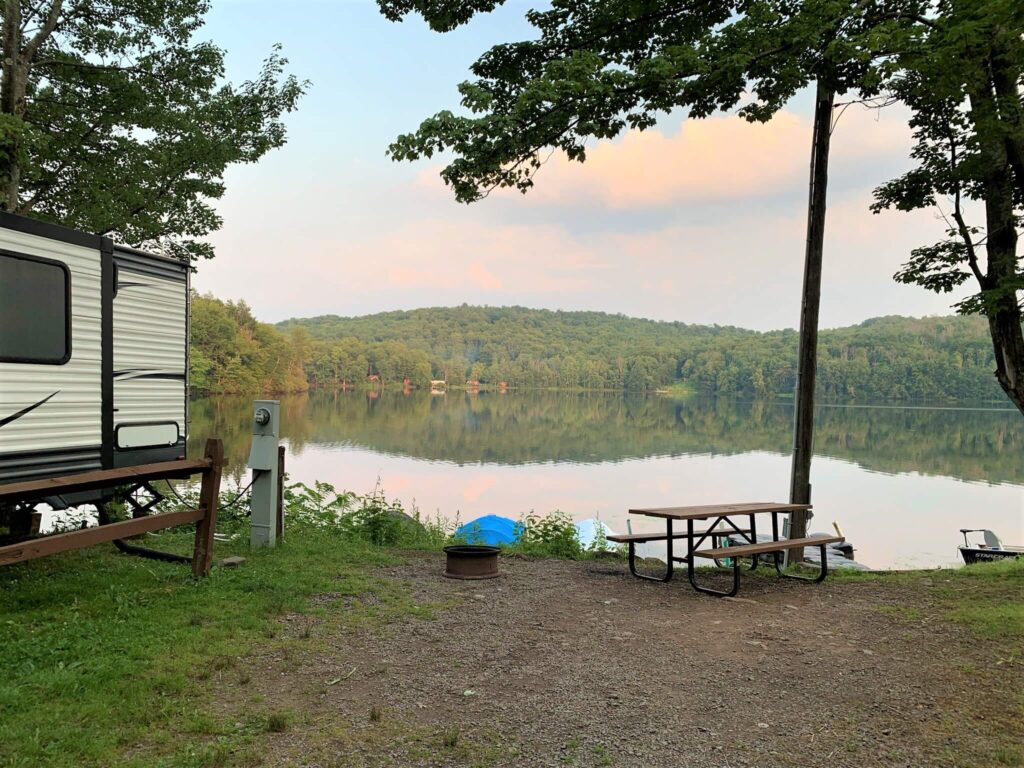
(900, 481)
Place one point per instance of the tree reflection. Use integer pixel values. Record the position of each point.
(464, 428)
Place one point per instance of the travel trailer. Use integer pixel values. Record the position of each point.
(93, 352)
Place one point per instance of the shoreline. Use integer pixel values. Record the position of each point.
(778, 399)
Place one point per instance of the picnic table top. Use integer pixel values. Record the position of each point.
(718, 510)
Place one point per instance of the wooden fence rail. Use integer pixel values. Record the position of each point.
(205, 516)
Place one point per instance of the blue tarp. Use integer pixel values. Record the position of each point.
(492, 530)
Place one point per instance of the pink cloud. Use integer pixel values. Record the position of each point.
(404, 277)
(464, 253)
(483, 279)
(718, 158)
(741, 267)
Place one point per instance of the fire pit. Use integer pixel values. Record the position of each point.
(471, 561)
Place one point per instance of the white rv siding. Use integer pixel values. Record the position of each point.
(72, 417)
(149, 358)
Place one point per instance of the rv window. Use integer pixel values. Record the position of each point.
(35, 310)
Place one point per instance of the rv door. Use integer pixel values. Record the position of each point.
(150, 357)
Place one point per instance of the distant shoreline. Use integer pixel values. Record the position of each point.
(667, 393)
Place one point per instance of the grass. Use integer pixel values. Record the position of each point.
(905, 612)
(104, 658)
(391, 743)
(278, 722)
(450, 738)
(987, 598)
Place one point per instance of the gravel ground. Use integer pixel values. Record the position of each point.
(558, 663)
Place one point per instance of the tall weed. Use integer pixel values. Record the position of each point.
(553, 535)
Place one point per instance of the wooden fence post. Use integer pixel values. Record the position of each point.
(209, 498)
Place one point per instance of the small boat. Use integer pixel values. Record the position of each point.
(991, 549)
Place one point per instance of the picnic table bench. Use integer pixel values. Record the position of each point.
(721, 530)
(632, 539)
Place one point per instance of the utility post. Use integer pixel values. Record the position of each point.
(263, 461)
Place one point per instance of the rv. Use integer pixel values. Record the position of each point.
(93, 352)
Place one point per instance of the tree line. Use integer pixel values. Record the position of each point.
(889, 358)
(234, 353)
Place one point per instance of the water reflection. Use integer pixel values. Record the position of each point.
(516, 429)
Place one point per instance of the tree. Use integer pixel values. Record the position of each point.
(600, 66)
(963, 77)
(114, 120)
(232, 352)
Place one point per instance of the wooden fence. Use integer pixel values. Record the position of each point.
(204, 516)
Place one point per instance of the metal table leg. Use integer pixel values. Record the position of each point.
(668, 567)
(822, 573)
(693, 577)
(753, 540)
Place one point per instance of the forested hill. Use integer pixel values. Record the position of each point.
(888, 358)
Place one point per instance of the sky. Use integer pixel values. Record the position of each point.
(692, 221)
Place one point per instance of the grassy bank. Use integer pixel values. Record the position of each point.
(679, 390)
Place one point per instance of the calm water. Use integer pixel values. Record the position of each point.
(900, 481)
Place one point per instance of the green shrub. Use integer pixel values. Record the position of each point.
(319, 506)
(376, 520)
(551, 536)
(431, 532)
(600, 542)
(471, 533)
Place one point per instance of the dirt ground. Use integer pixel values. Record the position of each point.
(559, 663)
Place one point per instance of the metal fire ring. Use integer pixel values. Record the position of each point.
(471, 561)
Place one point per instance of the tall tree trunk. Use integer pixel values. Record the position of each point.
(1004, 313)
(1008, 341)
(803, 421)
(12, 106)
(1002, 306)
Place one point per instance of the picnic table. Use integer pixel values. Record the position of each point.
(721, 527)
